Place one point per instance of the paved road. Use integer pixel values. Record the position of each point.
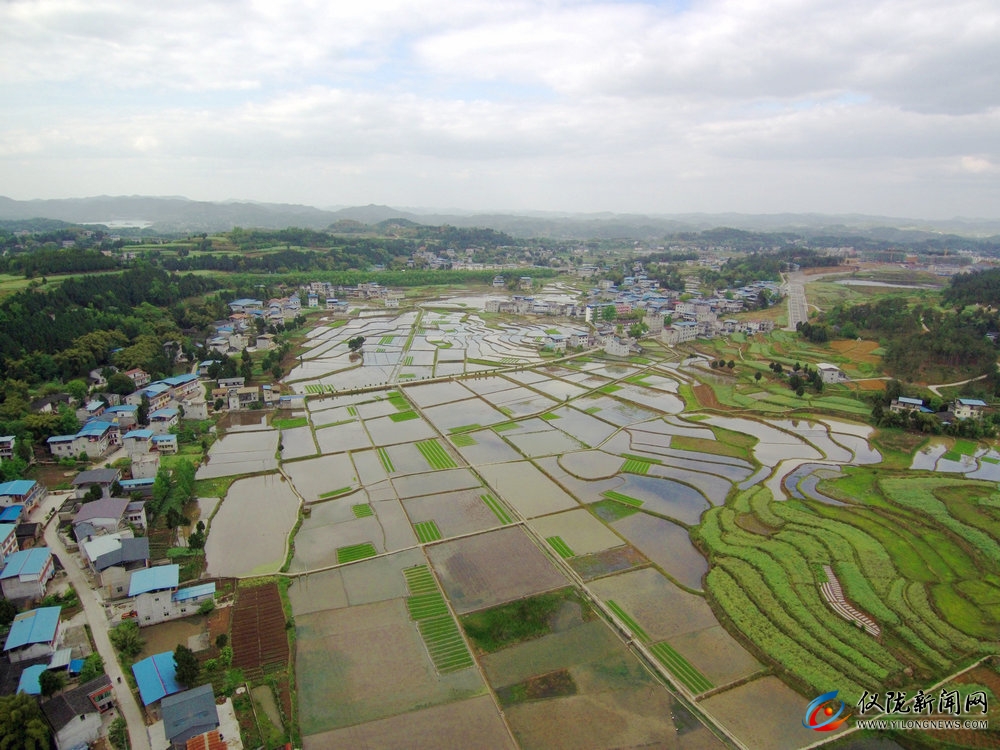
(94, 610)
(797, 310)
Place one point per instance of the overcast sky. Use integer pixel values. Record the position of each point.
(756, 106)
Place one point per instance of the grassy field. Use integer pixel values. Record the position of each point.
(404, 416)
(496, 628)
(291, 423)
(362, 510)
(636, 466)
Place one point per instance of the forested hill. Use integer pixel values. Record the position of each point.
(53, 325)
(979, 288)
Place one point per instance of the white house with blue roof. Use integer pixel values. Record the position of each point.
(33, 634)
(161, 420)
(968, 408)
(158, 598)
(138, 442)
(26, 572)
(26, 492)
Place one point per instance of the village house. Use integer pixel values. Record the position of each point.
(85, 481)
(115, 558)
(105, 515)
(156, 677)
(141, 378)
(188, 714)
(830, 373)
(968, 408)
(161, 420)
(26, 492)
(906, 404)
(75, 714)
(8, 540)
(158, 599)
(7, 447)
(33, 634)
(25, 574)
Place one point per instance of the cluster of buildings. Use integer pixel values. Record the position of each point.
(959, 408)
(106, 427)
(334, 298)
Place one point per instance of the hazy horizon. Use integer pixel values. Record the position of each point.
(884, 108)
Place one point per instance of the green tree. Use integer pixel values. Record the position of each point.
(7, 612)
(93, 666)
(51, 682)
(757, 376)
(188, 668)
(121, 384)
(78, 390)
(125, 637)
(608, 313)
(118, 733)
(142, 415)
(22, 725)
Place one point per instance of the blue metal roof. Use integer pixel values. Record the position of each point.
(193, 592)
(122, 409)
(156, 677)
(94, 405)
(34, 626)
(164, 438)
(155, 389)
(180, 379)
(11, 513)
(6, 529)
(61, 439)
(154, 579)
(138, 434)
(26, 562)
(131, 483)
(164, 413)
(29, 682)
(971, 402)
(17, 487)
(912, 401)
(94, 427)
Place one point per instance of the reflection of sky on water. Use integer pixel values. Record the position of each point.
(667, 497)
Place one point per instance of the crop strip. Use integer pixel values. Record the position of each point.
(560, 547)
(631, 624)
(427, 531)
(355, 552)
(498, 510)
(619, 497)
(681, 668)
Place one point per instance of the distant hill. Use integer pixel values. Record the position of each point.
(175, 214)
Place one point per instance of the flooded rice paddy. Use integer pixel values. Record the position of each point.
(499, 483)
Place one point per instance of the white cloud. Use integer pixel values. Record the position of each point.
(708, 105)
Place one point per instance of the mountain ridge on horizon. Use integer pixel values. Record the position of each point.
(175, 214)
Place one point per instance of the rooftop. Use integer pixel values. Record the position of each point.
(189, 713)
(154, 579)
(156, 677)
(34, 626)
(96, 476)
(27, 562)
(109, 507)
(17, 487)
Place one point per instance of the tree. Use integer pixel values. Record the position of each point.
(51, 682)
(121, 384)
(93, 666)
(78, 390)
(188, 668)
(118, 733)
(142, 415)
(7, 612)
(356, 343)
(125, 637)
(197, 539)
(22, 724)
(608, 313)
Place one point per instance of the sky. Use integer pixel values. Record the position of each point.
(885, 107)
